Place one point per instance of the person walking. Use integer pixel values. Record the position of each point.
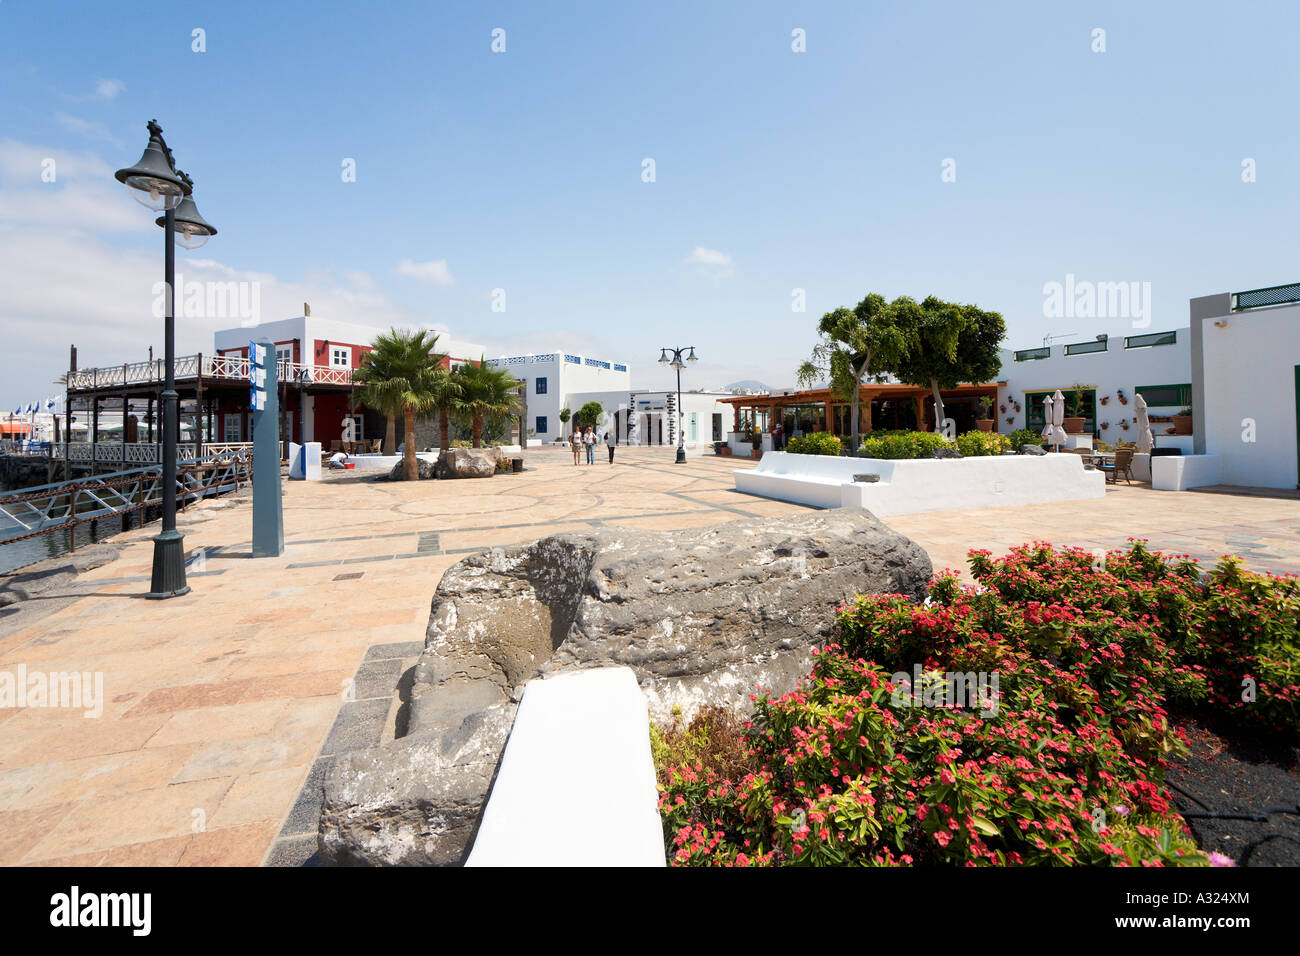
(575, 442)
(610, 442)
(589, 439)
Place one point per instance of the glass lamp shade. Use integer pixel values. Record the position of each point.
(192, 230)
(678, 364)
(663, 356)
(691, 357)
(154, 193)
(191, 240)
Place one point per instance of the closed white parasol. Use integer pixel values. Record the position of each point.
(1145, 440)
(1054, 412)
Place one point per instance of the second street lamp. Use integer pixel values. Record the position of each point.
(678, 363)
(157, 183)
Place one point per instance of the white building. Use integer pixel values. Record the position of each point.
(1246, 385)
(558, 380)
(653, 421)
(1111, 371)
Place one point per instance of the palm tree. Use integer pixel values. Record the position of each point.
(446, 399)
(485, 390)
(399, 375)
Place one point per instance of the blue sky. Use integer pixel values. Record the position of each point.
(521, 170)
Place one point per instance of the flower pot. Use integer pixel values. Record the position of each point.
(1073, 426)
(985, 424)
(724, 450)
(1182, 424)
(756, 453)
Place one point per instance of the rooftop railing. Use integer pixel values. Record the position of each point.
(225, 367)
(1274, 295)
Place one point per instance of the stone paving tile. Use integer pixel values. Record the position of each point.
(230, 700)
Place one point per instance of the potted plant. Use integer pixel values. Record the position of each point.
(1074, 420)
(983, 407)
(1105, 425)
(1183, 421)
(1105, 399)
(1123, 399)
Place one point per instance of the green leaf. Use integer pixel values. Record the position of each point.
(984, 826)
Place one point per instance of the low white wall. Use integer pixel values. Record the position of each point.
(1180, 472)
(926, 484)
(576, 786)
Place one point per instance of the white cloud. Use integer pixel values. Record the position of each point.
(434, 272)
(95, 131)
(708, 257)
(23, 162)
(107, 89)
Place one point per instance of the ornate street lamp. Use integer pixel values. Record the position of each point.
(156, 183)
(678, 363)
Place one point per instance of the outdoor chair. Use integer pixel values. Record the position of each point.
(1122, 465)
(377, 446)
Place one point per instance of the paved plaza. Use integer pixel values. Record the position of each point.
(221, 704)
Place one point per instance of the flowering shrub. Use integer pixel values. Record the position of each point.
(980, 444)
(1069, 768)
(1022, 437)
(903, 445)
(818, 443)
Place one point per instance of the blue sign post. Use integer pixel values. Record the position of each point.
(264, 399)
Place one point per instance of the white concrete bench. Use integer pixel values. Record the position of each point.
(576, 785)
(910, 486)
(1180, 472)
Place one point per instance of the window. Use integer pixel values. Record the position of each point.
(1146, 341)
(1029, 355)
(340, 356)
(284, 353)
(541, 428)
(1083, 348)
(1036, 419)
(230, 429)
(540, 387)
(1167, 395)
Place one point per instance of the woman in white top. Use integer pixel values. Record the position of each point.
(575, 443)
(589, 439)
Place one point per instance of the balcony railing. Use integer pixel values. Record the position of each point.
(224, 367)
(1274, 295)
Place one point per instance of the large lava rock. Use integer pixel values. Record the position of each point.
(702, 616)
(468, 462)
(425, 468)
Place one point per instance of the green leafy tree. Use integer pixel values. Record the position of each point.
(565, 415)
(399, 375)
(485, 390)
(950, 344)
(589, 414)
(855, 343)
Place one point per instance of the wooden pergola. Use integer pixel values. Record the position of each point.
(871, 396)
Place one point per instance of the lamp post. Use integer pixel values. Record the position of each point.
(157, 184)
(678, 363)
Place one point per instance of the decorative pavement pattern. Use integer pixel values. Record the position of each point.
(224, 708)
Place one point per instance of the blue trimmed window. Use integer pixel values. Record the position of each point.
(540, 386)
(541, 428)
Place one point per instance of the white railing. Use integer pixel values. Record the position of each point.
(226, 367)
(143, 453)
